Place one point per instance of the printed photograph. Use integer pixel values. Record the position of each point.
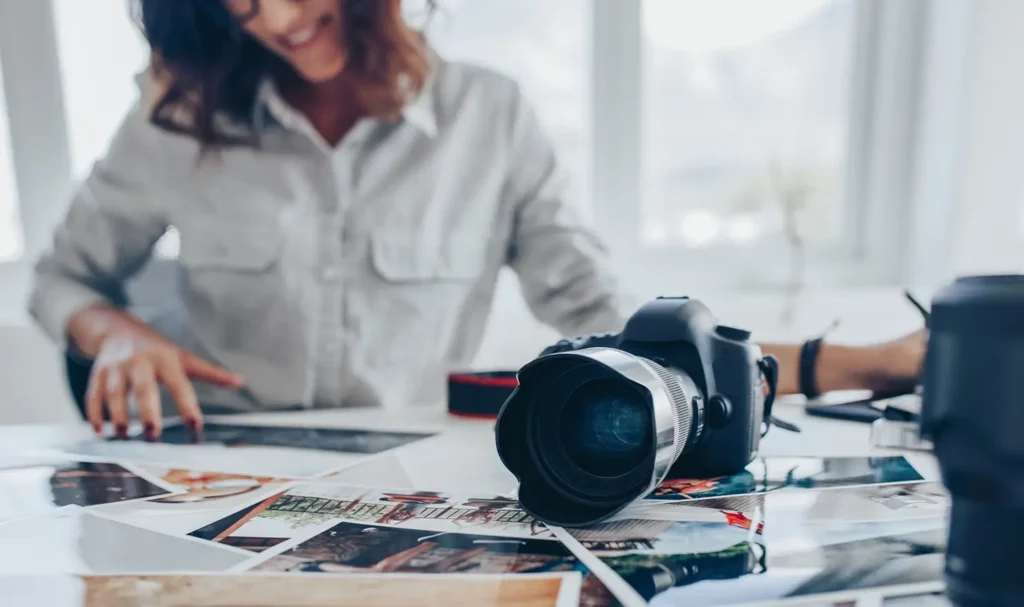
(74, 541)
(253, 461)
(196, 487)
(321, 439)
(694, 554)
(268, 590)
(289, 515)
(282, 517)
(37, 489)
(873, 503)
(201, 499)
(356, 547)
(489, 515)
(792, 473)
(352, 547)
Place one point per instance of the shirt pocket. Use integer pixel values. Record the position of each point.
(400, 256)
(214, 246)
(418, 290)
(235, 283)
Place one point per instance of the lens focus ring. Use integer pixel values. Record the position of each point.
(682, 417)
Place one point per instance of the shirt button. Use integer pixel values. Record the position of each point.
(329, 273)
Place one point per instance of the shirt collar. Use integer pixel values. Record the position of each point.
(421, 111)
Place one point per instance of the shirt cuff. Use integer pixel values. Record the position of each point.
(53, 304)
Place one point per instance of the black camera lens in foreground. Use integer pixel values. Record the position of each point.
(972, 412)
(588, 432)
(606, 428)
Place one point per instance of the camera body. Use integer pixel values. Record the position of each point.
(681, 334)
(599, 421)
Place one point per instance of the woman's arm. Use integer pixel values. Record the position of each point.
(887, 367)
(78, 294)
(563, 267)
(107, 233)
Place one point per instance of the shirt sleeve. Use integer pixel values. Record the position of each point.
(108, 231)
(563, 266)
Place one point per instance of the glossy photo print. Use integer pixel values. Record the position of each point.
(208, 488)
(352, 548)
(74, 541)
(875, 503)
(338, 440)
(282, 517)
(252, 461)
(287, 516)
(295, 590)
(303, 453)
(486, 515)
(793, 473)
(40, 488)
(201, 499)
(778, 545)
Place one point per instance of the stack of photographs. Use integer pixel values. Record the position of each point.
(326, 528)
(145, 529)
(754, 538)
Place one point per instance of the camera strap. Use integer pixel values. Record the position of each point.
(769, 367)
(480, 394)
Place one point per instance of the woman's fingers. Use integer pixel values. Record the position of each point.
(114, 391)
(200, 370)
(94, 398)
(180, 388)
(147, 398)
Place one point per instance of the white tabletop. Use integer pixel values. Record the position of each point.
(462, 456)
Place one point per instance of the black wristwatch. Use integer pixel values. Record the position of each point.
(808, 364)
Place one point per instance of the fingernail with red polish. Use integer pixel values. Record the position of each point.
(122, 431)
(149, 430)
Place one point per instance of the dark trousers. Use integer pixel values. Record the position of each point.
(78, 371)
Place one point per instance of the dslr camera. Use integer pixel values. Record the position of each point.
(599, 421)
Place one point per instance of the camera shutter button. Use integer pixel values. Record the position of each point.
(719, 411)
(733, 333)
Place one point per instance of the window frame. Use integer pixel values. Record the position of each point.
(38, 132)
(898, 74)
(884, 102)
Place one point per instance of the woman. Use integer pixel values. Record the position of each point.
(345, 200)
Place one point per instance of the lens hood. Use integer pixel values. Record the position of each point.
(554, 487)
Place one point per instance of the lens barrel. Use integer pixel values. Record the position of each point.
(602, 428)
(972, 412)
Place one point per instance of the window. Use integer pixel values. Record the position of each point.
(11, 244)
(99, 81)
(98, 72)
(708, 134)
(745, 119)
(544, 46)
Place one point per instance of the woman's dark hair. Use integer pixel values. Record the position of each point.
(212, 68)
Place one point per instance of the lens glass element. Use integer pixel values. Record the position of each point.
(606, 427)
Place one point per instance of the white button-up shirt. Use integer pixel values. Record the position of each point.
(346, 276)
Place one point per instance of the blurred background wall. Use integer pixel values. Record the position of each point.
(792, 162)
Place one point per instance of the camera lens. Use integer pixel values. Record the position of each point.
(606, 428)
(589, 431)
(972, 387)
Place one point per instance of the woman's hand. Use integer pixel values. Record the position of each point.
(898, 363)
(131, 362)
